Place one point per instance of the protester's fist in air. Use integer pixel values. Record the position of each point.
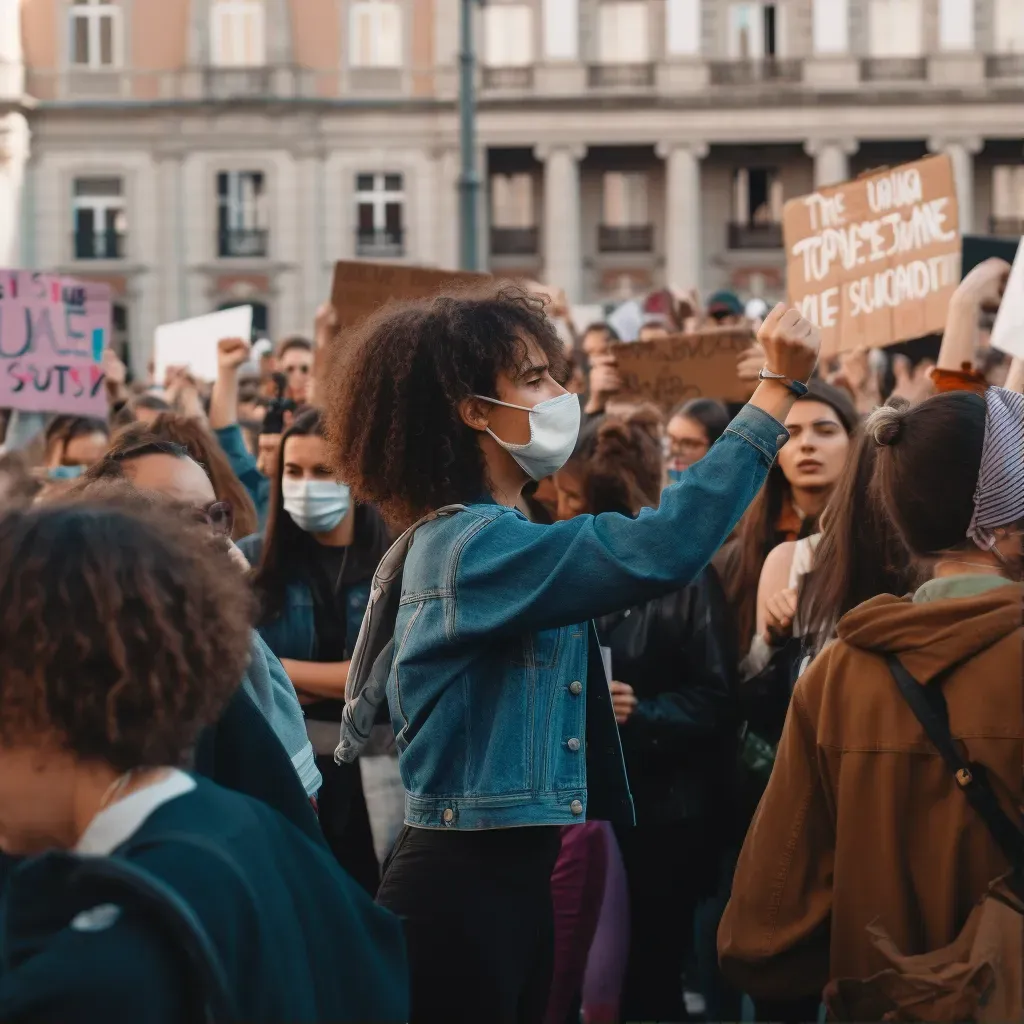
(780, 611)
(325, 325)
(790, 342)
(983, 287)
(623, 701)
(232, 352)
(115, 370)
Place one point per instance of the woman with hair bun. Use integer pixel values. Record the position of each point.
(863, 824)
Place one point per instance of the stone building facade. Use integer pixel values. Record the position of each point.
(200, 153)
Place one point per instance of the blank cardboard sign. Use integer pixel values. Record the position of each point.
(875, 261)
(684, 366)
(361, 288)
(1008, 330)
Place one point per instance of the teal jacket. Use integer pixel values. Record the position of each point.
(215, 902)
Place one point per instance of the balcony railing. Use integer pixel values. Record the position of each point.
(514, 241)
(375, 81)
(620, 76)
(636, 238)
(238, 83)
(1004, 65)
(380, 244)
(516, 78)
(753, 72)
(239, 243)
(104, 245)
(755, 236)
(894, 69)
(1006, 227)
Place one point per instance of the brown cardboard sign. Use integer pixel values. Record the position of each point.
(360, 288)
(684, 366)
(875, 261)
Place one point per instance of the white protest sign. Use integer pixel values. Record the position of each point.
(1008, 330)
(193, 343)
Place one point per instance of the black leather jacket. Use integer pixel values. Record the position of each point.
(680, 742)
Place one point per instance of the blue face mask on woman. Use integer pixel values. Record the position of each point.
(65, 472)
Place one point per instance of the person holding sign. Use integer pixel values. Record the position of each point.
(478, 634)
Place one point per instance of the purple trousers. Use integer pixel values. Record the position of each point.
(588, 892)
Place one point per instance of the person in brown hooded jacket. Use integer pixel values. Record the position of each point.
(862, 823)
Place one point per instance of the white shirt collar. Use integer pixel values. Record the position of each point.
(121, 820)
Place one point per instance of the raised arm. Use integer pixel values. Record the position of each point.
(512, 575)
(981, 289)
(231, 354)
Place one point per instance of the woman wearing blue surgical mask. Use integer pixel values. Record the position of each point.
(73, 444)
(479, 639)
(313, 566)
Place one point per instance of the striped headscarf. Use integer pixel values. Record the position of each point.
(999, 497)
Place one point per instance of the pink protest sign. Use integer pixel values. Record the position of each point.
(53, 331)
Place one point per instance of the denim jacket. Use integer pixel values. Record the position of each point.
(489, 663)
(243, 463)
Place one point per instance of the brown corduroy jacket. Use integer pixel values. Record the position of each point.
(862, 822)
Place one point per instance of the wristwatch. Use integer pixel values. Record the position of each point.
(797, 387)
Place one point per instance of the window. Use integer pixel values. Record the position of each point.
(95, 34)
(1009, 26)
(561, 29)
(831, 26)
(380, 204)
(896, 28)
(755, 31)
(1008, 193)
(683, 27)
(508, 35)
(236, 34)
(623, 35)
(376, 34)
(757, 196)
(625, 199)
(512, 203)
(100, 220)
(756, 209)
(242, 214)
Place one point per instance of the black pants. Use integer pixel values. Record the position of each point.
(346, 824)
(668, 868)
(478, 921)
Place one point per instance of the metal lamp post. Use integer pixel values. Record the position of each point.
(469, 179)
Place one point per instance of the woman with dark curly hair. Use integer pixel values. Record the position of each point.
(479, 622)
(151, 894)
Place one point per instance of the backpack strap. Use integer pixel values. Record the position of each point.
(929, 707)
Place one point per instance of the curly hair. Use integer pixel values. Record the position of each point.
(620, 466)
(124, 630)
(394, 384)
(202, 447)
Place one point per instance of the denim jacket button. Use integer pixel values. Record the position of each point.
(573, 744)
(448, 815)
(575, 687)
(576, 807)
(780, 441)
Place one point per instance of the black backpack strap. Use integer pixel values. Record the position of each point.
(929, 707)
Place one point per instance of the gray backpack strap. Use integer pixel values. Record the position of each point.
(365, 690)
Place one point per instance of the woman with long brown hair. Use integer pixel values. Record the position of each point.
(202, 447)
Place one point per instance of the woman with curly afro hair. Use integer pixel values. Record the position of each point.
(151, 894)
(478, 632)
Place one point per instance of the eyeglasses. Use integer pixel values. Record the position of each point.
(218, 515)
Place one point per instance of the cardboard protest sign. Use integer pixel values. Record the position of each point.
(360, 288)
(684, 366)
(53, 331)
(1008, 330)
(875, 261)
(193, 343)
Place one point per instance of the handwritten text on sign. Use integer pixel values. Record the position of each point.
(684, 366)
(875, 261)
(52, 334)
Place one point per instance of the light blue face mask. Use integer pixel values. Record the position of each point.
(675, 475)
(65, 472)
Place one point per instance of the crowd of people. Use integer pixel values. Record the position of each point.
(419, 672)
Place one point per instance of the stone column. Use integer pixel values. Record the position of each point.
(563, 257)
(831, 159)
(961, 153)
(446, 210)
(14, 156)
(309, 230)
(683, 212)
(170, 231)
